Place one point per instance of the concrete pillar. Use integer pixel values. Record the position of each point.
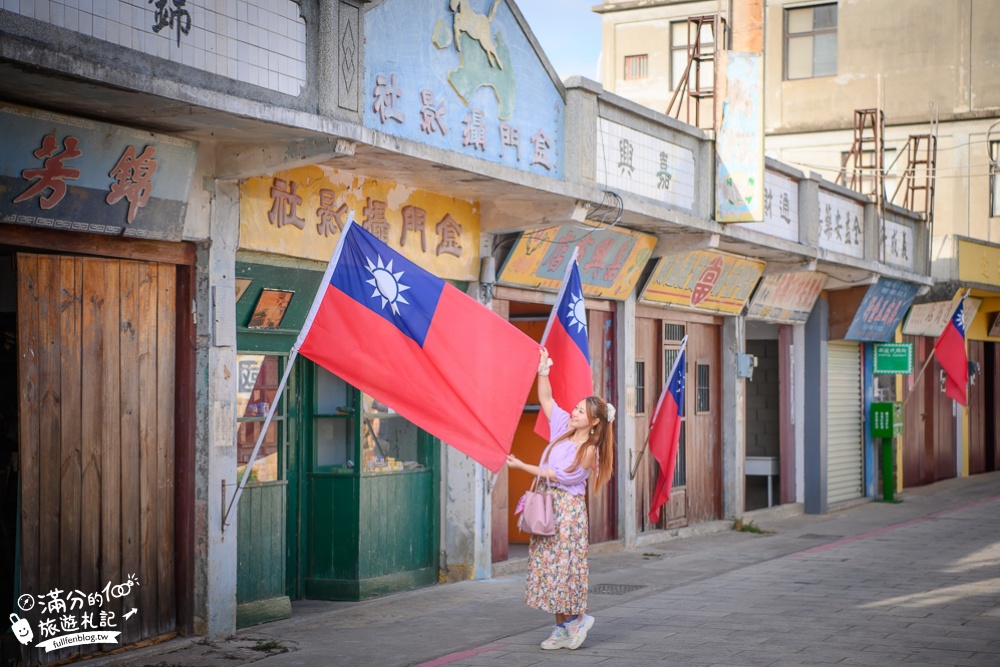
(798, 375)
(340, 59)
(733, 420)
(215, 452)
(815, 446)
(628, 529)
(809, 210)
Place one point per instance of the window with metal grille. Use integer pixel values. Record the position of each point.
(702, 388)
(672, 333)
(994, 179)
(811, 41)
(640, 387)
(679, 55)
(636, 67)
(680, 479)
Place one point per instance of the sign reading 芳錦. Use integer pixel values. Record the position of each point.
(60, 172)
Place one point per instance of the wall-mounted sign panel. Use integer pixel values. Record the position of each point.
(787, 297)
(781, 208)
(899, 245)
(463, 77)
(739, 146)
(929, 319)
(300, 213)
(636, 162)
(703, 279)
(610, 259)
(60, 172)
(978, 263)
(841, 224)
(882, 309)
(893, 359)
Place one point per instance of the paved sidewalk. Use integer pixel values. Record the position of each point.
(916, 583)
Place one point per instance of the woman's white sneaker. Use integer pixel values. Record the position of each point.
(559, 638)
(578, 629)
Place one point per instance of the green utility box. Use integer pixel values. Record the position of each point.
(887, 420)
(886, 424)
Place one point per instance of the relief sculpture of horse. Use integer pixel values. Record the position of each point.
(476, 26)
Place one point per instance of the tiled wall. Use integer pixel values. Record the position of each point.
(260, 42)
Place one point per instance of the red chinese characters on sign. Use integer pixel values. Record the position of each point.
(706, 281)
(53, 173)
(285, 203)
(598, 259)
(133, 179)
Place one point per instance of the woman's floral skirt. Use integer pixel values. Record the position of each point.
(557, 564)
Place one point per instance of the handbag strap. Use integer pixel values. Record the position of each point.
(545, 456)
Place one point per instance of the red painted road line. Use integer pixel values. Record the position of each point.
(455, 657)
(886, 529)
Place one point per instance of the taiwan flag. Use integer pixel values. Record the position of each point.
(433, 354)
(665, 433)
(565, 338)
(950, 351)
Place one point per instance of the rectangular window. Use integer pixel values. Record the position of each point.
(256, 388)
(811, 41)
(994, 179)
(702, 388)
(640, 387)
(679, 56)
(636, 67)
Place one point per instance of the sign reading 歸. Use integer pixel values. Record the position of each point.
(703, 279)
(893, 359)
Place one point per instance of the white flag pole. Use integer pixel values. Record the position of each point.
(306, 326)
(559, 296)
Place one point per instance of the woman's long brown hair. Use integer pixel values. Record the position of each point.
(603, 438)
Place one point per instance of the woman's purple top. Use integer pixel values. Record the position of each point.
(561, 456)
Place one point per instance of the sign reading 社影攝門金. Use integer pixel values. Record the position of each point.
(893, 359)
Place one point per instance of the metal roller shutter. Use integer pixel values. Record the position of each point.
(845, 455)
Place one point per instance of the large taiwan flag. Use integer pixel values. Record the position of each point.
(565, 338)
(950, 351)
(665, 432)
(433, 354)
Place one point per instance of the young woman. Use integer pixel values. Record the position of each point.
(582, 442)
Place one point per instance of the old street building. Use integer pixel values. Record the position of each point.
(175, 180)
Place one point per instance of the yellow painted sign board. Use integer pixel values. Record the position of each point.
(610, 260)
(300, 213)
(705, 280)
(978, 263)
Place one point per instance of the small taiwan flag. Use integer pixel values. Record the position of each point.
(665, 432)
(950, 351)
(565, 338)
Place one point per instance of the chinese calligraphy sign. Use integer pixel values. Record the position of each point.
(705, 280)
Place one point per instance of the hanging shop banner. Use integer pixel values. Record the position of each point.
(610, 260)
(787, 297)
(893, 359)
(703, 279)
(929, 319)
(781, 207)
(60, 172)
(300, 213)
(881, 310)
(739, 146)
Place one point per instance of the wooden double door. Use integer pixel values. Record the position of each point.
(696, 495)
(96, 342)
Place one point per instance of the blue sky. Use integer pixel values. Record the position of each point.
(570, 34)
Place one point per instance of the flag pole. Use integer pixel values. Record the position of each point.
(930, 356)
(645, 445)
(559, 295)
(317, 300)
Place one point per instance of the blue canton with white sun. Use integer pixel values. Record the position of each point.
(572, 312)
(376, 276)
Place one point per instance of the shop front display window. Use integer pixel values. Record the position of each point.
(258, 376)
(389, 443)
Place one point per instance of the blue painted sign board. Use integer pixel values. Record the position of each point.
(881, 311)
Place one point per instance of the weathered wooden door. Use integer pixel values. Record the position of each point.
(96, 347)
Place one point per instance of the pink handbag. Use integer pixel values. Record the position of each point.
(537, 517)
